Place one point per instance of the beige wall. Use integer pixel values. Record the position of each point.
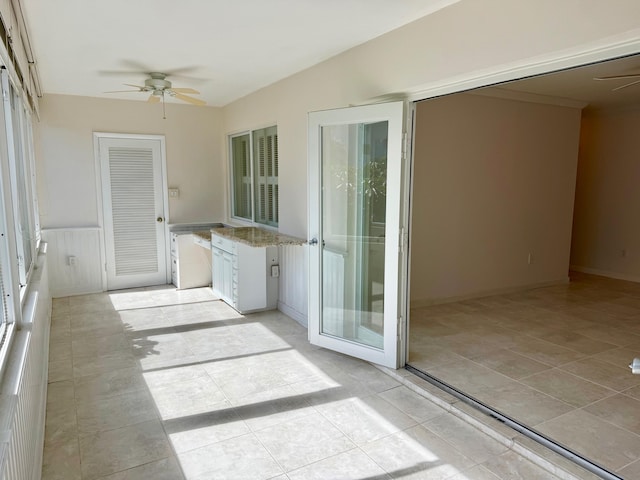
(494, 181)
(467, 38)
(607, 211)
(66, 163)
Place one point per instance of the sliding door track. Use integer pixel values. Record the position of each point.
(517, 426)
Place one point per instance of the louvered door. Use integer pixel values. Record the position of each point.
(132, 191)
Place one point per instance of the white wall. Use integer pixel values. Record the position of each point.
(66, 164)
(468, 38)
(606, 234)
(494, 181)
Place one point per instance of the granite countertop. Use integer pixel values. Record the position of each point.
(256, 237)
(203, 234)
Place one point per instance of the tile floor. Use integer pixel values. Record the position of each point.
(555, 358)
(163, 384)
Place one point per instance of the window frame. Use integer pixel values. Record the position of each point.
(251, 220)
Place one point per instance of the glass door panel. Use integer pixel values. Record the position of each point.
(355, 206)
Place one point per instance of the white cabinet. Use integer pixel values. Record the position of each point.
(190, 262)
(241, 274)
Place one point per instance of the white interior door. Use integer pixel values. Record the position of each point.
(134, 214)
(357, 217)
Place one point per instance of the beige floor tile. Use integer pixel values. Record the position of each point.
(546, 352)
(241, 457)
(60, 370)
(426, 355)
(597, 439)
(470, 376)
(221, 422)
(510, 363)
(108, 362)
(603, 373)
(302, 441)
(112, 451)
(366, 419)
(166, 469)
(567, 387)
(620, 357)
(575, 341)
(109, 384)
(476, 473)
(351, 465)
(91, 347)
(417, 453)
(524, 403)
(415, 406)
(631, 471)
(61, 461)
(620, 410)
(466, 438)
(109, 413)
(514, 467)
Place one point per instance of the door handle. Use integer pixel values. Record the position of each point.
(159, 219)
(313, 241)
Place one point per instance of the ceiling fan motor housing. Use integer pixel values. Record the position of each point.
(157, 82)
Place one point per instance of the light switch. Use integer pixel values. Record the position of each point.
(174, 193)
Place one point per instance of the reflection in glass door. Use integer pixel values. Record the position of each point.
(353, 220)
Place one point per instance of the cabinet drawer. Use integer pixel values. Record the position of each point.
(222, 243)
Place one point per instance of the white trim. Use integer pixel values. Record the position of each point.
(100, 206)
(299, 317)
(612, 47)
(606, 273)
(503, 93)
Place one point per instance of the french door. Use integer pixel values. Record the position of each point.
(133, 193)
(358, 213)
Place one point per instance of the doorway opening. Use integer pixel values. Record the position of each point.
(523, 284)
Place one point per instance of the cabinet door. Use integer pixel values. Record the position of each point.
(227, 280)
(217, 279)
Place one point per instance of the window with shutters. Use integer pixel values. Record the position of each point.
(254, 176)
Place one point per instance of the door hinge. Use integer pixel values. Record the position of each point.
(404, 145)
(402, 241)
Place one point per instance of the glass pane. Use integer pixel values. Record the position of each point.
(241, 176)
(354, 187)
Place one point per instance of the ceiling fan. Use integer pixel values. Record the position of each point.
(158, 87)
(620, 77)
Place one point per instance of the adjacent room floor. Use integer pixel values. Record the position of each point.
(164, 384)
(554, 358)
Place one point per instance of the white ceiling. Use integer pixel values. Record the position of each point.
(224, 48)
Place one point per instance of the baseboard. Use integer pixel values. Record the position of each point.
(71, 293)
(427, 302)
(299, 317)
(606, 273)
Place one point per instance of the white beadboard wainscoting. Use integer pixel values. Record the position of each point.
(75, 260)
(24, 384)
(293, 285)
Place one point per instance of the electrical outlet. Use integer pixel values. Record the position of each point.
(275, 270)
(174, 192)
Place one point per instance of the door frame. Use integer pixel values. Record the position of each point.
(100, 204)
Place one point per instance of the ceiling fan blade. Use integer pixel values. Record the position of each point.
(135, 86)
(154, 99)
(625, 86)
(194, 101)
(184, 90)
(618, 77)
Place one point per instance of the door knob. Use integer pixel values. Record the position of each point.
(313, 241)
(159, 219)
